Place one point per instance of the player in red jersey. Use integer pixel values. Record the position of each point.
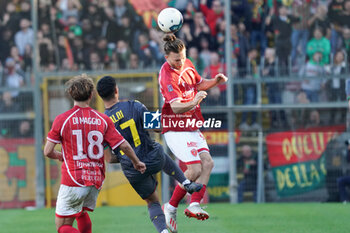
(183, 89)
(82, 131)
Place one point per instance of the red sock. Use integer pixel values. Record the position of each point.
(67, 229)
(197, 196)
(84, 223)
(177, 196)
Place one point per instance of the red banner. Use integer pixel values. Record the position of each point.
(299, 146)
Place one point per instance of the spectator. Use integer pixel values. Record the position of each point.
(46, 49)
(313, 69)
(27, 59)
(196, 60)
(346, 42)
(249, 92)
(68, 8)
(24, 130)
(336, 9)
(212, 15)
(345, 16)
(25, 10)
(336, 86)
(24, 36)
(192, 33)
(319, 44)
(11, 18)
(110, 28)
(80, 53)
(320, 20)
(147, 51)
(122, 8)
(12, 77)
(123, 54)
(269, 70)
(95, 61)
(300, 33)
(217, 94)
(282, 27)
(259, 12)
(204, 53)
(134, 62)
(6, 43)
(248, 166)
(314, 120)
(241, 12)
(189, 12)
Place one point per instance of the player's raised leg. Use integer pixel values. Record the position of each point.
(173, 170)
(194, 209)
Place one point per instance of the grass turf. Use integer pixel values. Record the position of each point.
(224, 218)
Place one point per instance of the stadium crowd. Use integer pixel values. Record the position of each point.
(270, 38)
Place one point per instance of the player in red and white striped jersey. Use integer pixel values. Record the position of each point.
(82, 131)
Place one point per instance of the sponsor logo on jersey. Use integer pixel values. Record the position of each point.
(191, 144)
(194, 152)
(170, 88)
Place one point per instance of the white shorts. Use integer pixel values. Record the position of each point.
(186, 146)
(71, 201)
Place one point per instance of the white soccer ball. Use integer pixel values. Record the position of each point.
(170, 20)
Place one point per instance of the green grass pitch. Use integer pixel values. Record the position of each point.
(224, 218)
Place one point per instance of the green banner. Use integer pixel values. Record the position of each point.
(299, 177)
(218, 187)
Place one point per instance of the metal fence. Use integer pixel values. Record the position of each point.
(296, 151)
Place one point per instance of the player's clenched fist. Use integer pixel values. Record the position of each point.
(140, 166)
(220, 78)
(200, 96)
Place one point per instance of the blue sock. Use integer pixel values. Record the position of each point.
(157, 216)
(173, 170)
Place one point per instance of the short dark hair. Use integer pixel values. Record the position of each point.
(106, 87)
(80, 87)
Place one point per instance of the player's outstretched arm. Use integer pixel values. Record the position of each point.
(49, 151)
(179, 107)
(109, 156)
(127, 149)
(206, 84)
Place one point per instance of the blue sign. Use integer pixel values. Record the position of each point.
(151, 120)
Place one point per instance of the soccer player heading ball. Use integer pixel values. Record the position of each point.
(183, 89)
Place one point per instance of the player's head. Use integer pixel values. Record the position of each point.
(80, 88)
(107, 88)
(175, 51)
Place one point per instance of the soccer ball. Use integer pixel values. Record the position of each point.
(170, 20)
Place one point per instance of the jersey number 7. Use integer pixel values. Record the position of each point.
(135, 135)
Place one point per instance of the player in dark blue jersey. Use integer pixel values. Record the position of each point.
(128, 120)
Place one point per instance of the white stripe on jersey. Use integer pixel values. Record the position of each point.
(65, 162)
(182, 72)
(67, 120)
(101, 118)
(54, 141)
(118, 144)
